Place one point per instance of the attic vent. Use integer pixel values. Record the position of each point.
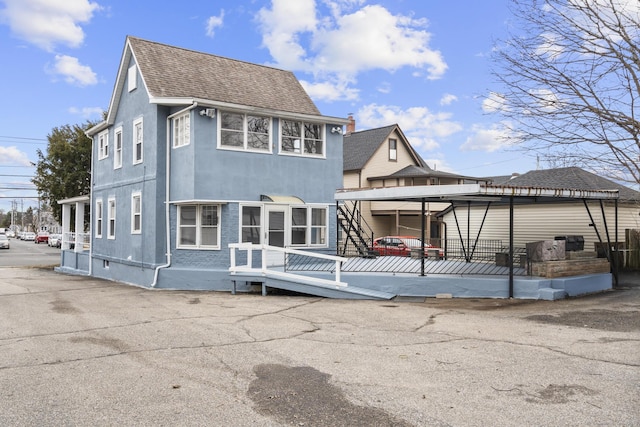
(132, 78)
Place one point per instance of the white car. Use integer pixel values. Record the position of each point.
(4, 241)
(55, 240)
(30, 236)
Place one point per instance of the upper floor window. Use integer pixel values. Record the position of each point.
(181, 130)
(301, 138)
(132, 78)
(137, 141)
(136, 213)
(98, 215)
(198, 226)
(103, 145)
(111, 218)
(117, 149)
(244, 131)
(393, 149)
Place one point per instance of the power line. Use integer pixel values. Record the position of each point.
(23, 137)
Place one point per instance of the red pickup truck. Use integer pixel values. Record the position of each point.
(42, 237)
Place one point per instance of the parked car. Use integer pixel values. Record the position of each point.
(401, 246)
(10, 233)
(29, 236)
(42, 237)
(55, 240)
(4, 241)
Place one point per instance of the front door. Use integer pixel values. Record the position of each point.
(276, 222)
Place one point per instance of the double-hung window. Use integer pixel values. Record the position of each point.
(111, 218)
(308, 226)
(103, 145)
(136, 213)
(98, 232)
(198, 226)
(117, 149)
(181, 130)
(306, 139)
(393, 150)
(244, 132)
(137, 141)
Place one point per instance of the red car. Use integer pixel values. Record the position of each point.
(401, 246)
(42, 237)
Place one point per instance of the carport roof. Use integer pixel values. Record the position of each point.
(473, 192)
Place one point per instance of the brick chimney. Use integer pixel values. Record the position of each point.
(351, 126)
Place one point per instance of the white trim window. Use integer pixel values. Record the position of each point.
(117, 149)
(308, 226)
(111, 218)
(182, 130)
(138, 139)
(393, 149)
(250, 226)
(244, 132)
(300, 138)
(136, 213)
(132, 78)
(103, 145)
(198, 226)
(99, 213)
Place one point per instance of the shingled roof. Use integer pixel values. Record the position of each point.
(425, 171)
(358, 147)
(173, 72)
(570, 178)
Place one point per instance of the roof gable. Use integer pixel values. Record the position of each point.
(359, 147)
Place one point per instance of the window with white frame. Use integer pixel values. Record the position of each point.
(250, 227)
(98, 232)
(136, 213)
(137, 141)
(393, 149)
(117, 149)
(132, 78)
(305, 139)
(308, 226)
(198, 226)
(244, 132)
(111, 218)
(181, 130)
(103, 145)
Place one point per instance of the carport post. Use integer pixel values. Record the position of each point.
(511, 247)
(422, 227)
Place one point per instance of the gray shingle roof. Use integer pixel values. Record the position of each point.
(425, 171)
(571, 178)
(358, 147)
(174, 72)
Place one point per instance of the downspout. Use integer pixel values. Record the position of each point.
(90, 211)
(167, 194)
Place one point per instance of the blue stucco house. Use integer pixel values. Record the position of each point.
(198, 152)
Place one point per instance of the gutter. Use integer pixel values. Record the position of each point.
(167, 194)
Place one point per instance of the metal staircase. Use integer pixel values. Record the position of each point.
(357, 238)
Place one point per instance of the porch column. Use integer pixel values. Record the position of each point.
(79, 246)
(66, 221)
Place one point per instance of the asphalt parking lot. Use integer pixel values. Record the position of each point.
(81, 351)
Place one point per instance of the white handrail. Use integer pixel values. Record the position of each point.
(263, 270)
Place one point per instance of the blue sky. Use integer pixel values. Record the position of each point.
(424, 64)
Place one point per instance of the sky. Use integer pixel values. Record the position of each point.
(422, 64)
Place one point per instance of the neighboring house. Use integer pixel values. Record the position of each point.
(383, 157)
(545, 221)
(199, 151)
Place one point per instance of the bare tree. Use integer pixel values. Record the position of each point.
(570, 79)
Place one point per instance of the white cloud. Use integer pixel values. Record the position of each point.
(350, 40)
(87, 112)
(494, 103)
(214, 22)
(12, 156)
(46, 23)
(423, 128)
(330, 91)
(448, 99)
(488, 139)
(73, 72)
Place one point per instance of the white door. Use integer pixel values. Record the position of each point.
(276, 232)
